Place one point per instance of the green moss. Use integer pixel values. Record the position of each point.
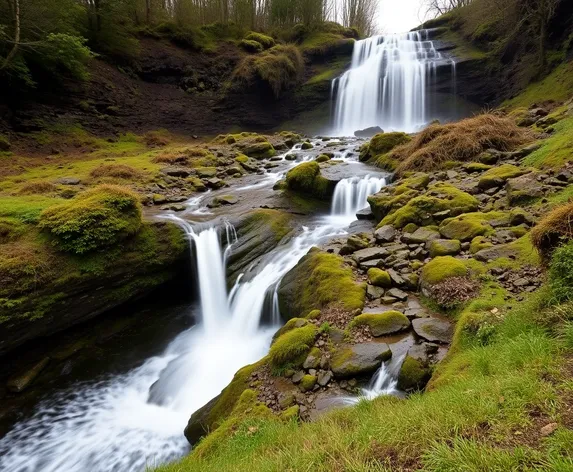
(308, 382)
(242, 159)
(469, 225)
(439, 197)
(291, 324)
(442, 268)
(266, 41)
(440, 247)
(475, 167)
(556, 150)
(379, 277)
(306, 146)
(322, 158)
(260, 150)
(251, 46)
(290, 414)
(478, 243)
(320, 43)
(291, 349)
(306, 178)
(382, 323)
(11, 229)
(497, 176)
(313, 315)
(413, 375)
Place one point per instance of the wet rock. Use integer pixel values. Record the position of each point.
(433, 329)
(365, 214)
(385, 234)
(18, 383)
(414, 375)
(359, 359)
(214, 183)
(368, 132)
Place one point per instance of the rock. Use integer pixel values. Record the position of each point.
(312, 361)
(365, 214)
(200, 423)
(353, 244)
(421, 235)
(227, 199)
(396, 278)
(374, 292)
(215, 183)
(177, 172)
(18, 383)
(444, 247)
(159, 199)
(206, 172)
(398, 294)
(379, 278)
(359, 359)
(413, 375)
(307, 383)
(524, 188)
(297, 377)
(291, 157)
(388, 300)
(496, 252)
(385, 234)
(497, 176)
(381, 324)
(369, 254)
(234, 170)
(368, 132)
(68, 181)
(548, 429)
(324, 378)
(433, 330)
(260, 151)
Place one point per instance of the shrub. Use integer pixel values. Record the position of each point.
(460, 141)
(561, 273)
(264, 40)
(552, 230)
(94, 219)
(280, 68)
(119, 171)
(251, 46)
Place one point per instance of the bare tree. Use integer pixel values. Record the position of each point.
(539, 13)
(14, 6)
(360, 14)
(436, 8)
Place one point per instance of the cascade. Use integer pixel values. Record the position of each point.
(351, 195)
(387, 84)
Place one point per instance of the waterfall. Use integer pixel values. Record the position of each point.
(351, 195)
(387, 84)
(385, 380)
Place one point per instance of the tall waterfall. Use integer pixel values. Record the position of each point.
(387, 84)
(351, 195)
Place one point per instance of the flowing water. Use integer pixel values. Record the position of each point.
(387, 84)
(351, 195)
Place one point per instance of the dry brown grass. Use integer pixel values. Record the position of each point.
(460, 141)
(183, 158)
(37, 188)
(552, 230)
(117, 171)
(158, 138)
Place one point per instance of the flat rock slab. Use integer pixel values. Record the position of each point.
(368, 254)
(433, 329)
(359, 359)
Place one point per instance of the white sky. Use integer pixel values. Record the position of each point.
(399, 16)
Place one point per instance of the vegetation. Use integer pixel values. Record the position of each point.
(442, 268)
(553, 230)
(382, 323)
(306, 178)
(290, 349)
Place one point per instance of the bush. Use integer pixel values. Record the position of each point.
(265, 41)
(280, 68)
(553, 230)
(461, 141)
(94, 219)
(66, 52)
(561, 273)
(251, 46)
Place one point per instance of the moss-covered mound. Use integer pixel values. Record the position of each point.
(94, 219)
(319, 281)
(379, 146)
(379, 277)
(413, 375)
(421, 210)
(553, 230)
(306, 178)
(497, 176)
(291, 349)
(442, 268)
(469, 225)
(381, 324)
(266, 41)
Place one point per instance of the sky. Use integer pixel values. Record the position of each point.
(399, 16)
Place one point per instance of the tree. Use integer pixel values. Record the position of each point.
(539, 13)
(360, 14)
(436, 8)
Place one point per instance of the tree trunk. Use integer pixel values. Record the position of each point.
(542, 44)
(15, 6)
(148, 11)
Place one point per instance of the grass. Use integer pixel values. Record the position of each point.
(555, 227)
(556, 150)
(556, 87)
(461, 141)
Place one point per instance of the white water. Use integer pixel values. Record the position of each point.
(351, 195)
(387, 84)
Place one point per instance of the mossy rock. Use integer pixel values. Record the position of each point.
(439, 197)
(413, 375)
(260, 150)
(322, 158)
(442, 268)
(307, 383)
(359, 359)
(242, 159)
(94, 219)
(469, 225)
(476, 167)
(306, 178)
(266, 41)
(291, 349)
(291, 324)
(250, 45)
(379, 278)
(320, 281)
(444, 247)
(382, 143)
(306, 146)
(478, 243)
(497, 176)
(206, 172)
(381, 324)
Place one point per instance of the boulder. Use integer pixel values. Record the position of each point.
(433, 329)
(379, 278)
(369, 254)
(359, 359)
(524, 188)
(385, 234)
(444, 247)
(421, 235)
(307, 383)
(381, 324)
(368, 132)
(414, 375)
(497, 176)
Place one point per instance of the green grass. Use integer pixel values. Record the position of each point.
(26, 209)
(557, 149)
(328, 72)
(557, 86)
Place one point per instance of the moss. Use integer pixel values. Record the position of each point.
(291, 349)
(306, 178)
(291, 413)
(322, 158)
(497, 176)
(382, 323)
(291, 324)
(556, 150)
(469, 225)
(260, 150)
(11, 229)
(313, 315)
(379, 277)
(475, 167)
(250, 45)
(306, 146)
(242, 159)
(266, 41)
(308, 382)
(439, 247)
(323, 43)
(413, 375)
(320, 281)
(439, 197)
(478, 243)
(442, 268)
(94, 219)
